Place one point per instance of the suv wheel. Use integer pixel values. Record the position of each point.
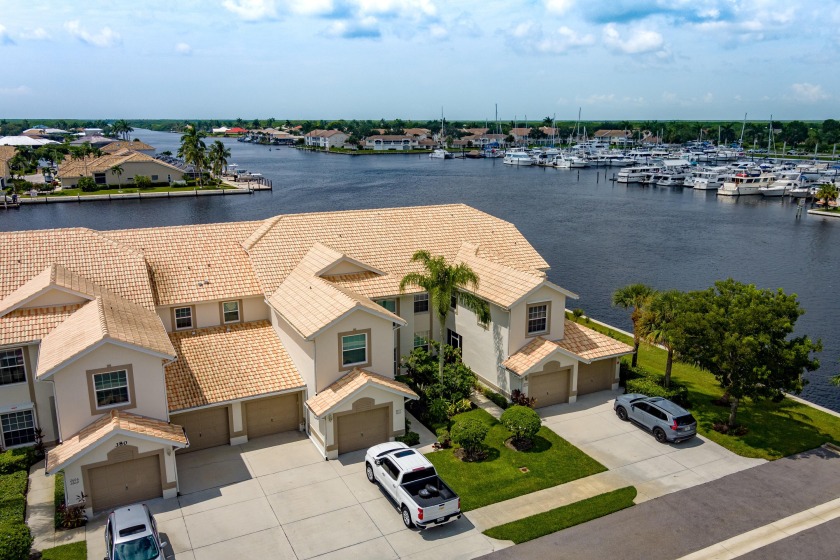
(406, 515)
(369, 472)
(621, 412)
(660, 436)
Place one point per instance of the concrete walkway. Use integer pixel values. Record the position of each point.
(486, 405)
(40, 512)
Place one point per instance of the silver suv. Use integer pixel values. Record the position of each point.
(664, 419)
(131, 534)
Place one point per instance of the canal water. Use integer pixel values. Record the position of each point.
(596, 234)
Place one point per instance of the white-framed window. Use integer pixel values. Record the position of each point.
(421, 303)
(111, 388)
(454, 339)
(183, 318)
(354, 349)
(421, 340)
(12, 368)
(18, 428)
(230, 312)
(538, 318)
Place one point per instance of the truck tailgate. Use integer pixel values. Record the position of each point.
(441, 511)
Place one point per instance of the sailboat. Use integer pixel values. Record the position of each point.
(441, 153)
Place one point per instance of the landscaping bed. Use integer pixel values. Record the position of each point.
(557, 519)
(499, 476)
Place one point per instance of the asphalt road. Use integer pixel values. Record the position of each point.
(684, 522)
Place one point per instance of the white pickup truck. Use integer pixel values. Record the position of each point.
(412, 482)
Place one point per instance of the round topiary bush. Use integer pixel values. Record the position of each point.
(523, 423)
(470, 434)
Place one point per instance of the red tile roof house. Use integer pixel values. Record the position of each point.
(129, 348)
(235, 130)
(325, 138)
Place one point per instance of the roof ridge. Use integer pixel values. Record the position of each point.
(103, 320)
(261, 232)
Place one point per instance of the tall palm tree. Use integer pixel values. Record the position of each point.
(443, 281)
(633, 297)
(218, 155)
(193, 149)
(827, 192)
(658, 324)
(118, 171)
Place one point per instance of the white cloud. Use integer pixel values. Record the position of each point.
(5, 39)
(635, 41)
(709, 97)
(17, 90)
(39, 33)
(558, 7)
(310, 7)
(252, 10)
(183, 48)
(808, 93)
(106, 37)
(529, 36)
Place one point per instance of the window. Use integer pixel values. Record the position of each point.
(354, 349)
(18, 428)
(453, 302)
(111, 388)
(421, 303)
(390, 468)
(183, 318)
(454, 339)
(538, 318)
(12, 369)
(154, 178)
(421, 340)
(389, 304)
(230, 312)
(99, 178)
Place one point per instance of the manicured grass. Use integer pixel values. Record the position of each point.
(776, 430)
(550, 462)
(564, 517)
(58, 497)
(15, 538)
(72, 551)
(134, 190)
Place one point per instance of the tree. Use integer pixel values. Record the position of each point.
(659, 324)
(192, 149)
(143, 181)
(217, 156)
(443, 282)
(633, 297)
(118, 171)
(742, 335)
(795, 132)
(470, 434)
(523, 422)
(87, 184)
(827, 192)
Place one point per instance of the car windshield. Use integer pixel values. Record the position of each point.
(685, 420)
(144, 548)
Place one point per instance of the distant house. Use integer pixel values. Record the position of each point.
(95, 140)
(235, 130)
(220, 130)
(615, 137)
(475, 131)
(520, 135)
(135, 146)
(132, 163)
(394, 142)
(481, 141)
(419, 133)
(6, 153)
(325, 138)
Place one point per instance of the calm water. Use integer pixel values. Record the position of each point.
(596, 235)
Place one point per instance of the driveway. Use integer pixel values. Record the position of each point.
(276, 497)
(632, 454)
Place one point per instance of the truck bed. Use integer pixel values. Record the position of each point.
(444, 494)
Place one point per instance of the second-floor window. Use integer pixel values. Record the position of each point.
(354, 349)
(183, 318)
(389, 304)
(421, 340)
(538, 318)
(111, 388)
(230, 312)
(12, 369)
(421, 303)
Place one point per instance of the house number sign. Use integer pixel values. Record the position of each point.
(121, 443)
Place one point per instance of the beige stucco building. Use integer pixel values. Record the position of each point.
(132, 163)
(127, 348)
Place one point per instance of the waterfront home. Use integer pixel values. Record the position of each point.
(383, 142)
(620, 138)
(520, 135)
(128, 348)
(132, 164)
(475, 131)
(325, 138)
(481, 141)
(419, 133)
(135, 146)
(95, 140)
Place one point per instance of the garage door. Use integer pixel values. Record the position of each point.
(125, 483)
(597, 376)
(272, 415)
(361, 430)
(205, 428)
(549, 388)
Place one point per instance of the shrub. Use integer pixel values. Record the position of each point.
(652, 387)
(410, 438)
(19, 459)
(444, 439)
(497, 398)
(438, 411)
(13, 497)
(87, 184)
(15, 541)
(577, 313)
(464, 405)
(519, 398)
(142, 182)
(470, 434)
(523, 423)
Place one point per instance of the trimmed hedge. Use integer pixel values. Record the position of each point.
(19, 459)
(497, 398)
(652, 387)
(15, 539)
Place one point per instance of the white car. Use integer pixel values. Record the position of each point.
(131, 534)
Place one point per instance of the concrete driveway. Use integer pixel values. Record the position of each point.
(632, 453)
(276, 497)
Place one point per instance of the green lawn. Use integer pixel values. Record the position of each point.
(775, 429)
(72, 551)
(552, 461)
(564, 517)
(58, 496)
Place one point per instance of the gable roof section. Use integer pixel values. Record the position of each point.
(28, 325)
(498, 283)
(350, 384)
(105, 319)
(55, 276)
(96, 433)
(310, 304)
(220, 364)
(118, 145)
(533, 354)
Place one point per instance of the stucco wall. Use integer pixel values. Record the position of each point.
(208, 314)
(518, 318)
(484, 349)
(301, 351)
(379, 397)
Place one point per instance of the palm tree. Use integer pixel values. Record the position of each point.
(443, 282)
(218, 155)
(193, 149)
(658, 324)
(633, 297)
(118, 171)
(827, 192)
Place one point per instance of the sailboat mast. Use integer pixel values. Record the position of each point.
(741, 139)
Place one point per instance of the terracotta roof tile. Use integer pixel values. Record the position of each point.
(103, 427)
(535, 351)
(55, 275)
(498, 283)
(348, 384)
(118, 145)
(220, 364)
(28, 325)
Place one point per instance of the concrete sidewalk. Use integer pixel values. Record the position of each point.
(40, 512)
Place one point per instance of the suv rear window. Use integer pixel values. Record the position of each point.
(685, 420)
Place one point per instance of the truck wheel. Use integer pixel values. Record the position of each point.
(406, 515)
(369, 472)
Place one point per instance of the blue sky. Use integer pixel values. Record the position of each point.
(310, 59)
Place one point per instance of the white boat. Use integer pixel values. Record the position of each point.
(562, 162)
(578, 162)
(742, 184)
(708, 178)
(782, 186)
(671, 179)
(440, 153)
(802, 191)
(636, 174)
(517, 158)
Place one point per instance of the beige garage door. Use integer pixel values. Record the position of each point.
(125, 483)
(361, 430)
(205, 428)
(549, 388)
(272, 415)
(597, 376)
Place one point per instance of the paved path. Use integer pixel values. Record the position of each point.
(40, 512)
(486, 405)
(685, 522)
